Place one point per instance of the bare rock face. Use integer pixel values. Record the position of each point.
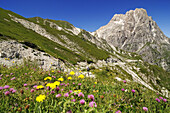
(12, 53)
(135, 31)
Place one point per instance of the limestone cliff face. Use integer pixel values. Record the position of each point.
(135, 31)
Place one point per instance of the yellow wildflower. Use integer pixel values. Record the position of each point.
(52, 71)
(60, 79)
(57, 83)
(80, 71)
(95, 83)
(40, 98)
(69, 78)
(52, 86)
(47, 78)
(40, 87)
(13, 62)
(81, 76)
(72, 73)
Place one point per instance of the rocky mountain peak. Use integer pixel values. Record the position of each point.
(135, 31)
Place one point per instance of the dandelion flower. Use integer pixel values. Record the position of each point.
(95, 83)
(61, 79)
(40, 87)
(40, 98)
(69, 78)
(81, 76)
(72, 73)
(47, 78)
(57, 83)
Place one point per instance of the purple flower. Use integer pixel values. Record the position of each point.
(7, 93)
(13, 78)
(73, 100)
(32, 90)
(11, 73)
(80, 94)
(123, 89)
(124, 81)
(70, 91)
(62, 89)
(91, 97)
(52, 92)
(145, 108)
(66, 95)
(161, 98)
(58, 95)
(25, 73)
(35, 86)
(69, 111)
(133, 91)
(118, 111)
(6, 87)
(0, 78)
(26, 88)
(157, 100)
(11, 89)
(58, 88)
(92, 104)
(82, 101)
(164, 100)
(73, 83)
(1, 88)
(48, 88)
(14, 91)
(25, 84)
(79, 84)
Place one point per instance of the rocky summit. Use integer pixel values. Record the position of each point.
(131, 46)
(135, 31)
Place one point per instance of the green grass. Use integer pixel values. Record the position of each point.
(17, 32)
(107, 93)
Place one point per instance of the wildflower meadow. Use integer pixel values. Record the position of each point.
(28, 89)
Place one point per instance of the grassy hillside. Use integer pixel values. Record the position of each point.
(16, 31)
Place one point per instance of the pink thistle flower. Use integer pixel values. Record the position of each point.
(73, 83)
(25, 84)
(70, 91)
(13, 78)
(11, 89)
(92, 104)
(73, 100)
(69, 111)
(145, 108)
(0, 78)
(6, 87)
(80, 94)
(62, 89)
(161, 98)
(48, 88)
(164, 100)
(123, 89)
(66, 95)
(133, 91)
(52, 92)
(91, 97)
(157, 100)
(35, 86)
(58, 88)
(124, 81)
(7, 93)
(79, 84)
(26, 88)
(82, 101)
(58, 95)
(32, 90)
(14, 91)
(1, 88)
(118, 111)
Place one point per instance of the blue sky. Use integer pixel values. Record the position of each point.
(90, 14)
